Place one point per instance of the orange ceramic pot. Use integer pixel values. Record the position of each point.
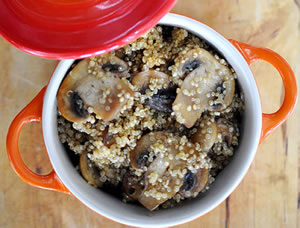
(256, 126)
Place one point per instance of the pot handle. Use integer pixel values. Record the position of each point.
(271, 121)
(32, 112)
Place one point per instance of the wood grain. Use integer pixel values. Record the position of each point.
(267, 197)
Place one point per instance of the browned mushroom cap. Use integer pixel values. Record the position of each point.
(223, 95)
(111, 94)
(105, 95)
(165, 96)
(89, 171)
(160, 185)
(149, 78)
(226, 129)
(69, 102)
(139, 155)
(111, 63)
(190, 184)
(150, 202)
(206, 134)
(162, 101)
(156, 192)
(210, 86)
(194, 182)
(188, 62)
(108, 139)
(131, 186)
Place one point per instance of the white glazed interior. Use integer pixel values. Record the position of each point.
(225, 183)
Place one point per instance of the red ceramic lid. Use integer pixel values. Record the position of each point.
(64, 29)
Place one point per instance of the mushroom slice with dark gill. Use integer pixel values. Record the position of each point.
(164, 97)
(226, 130)
(140, 158)
(193, 183)
(90, 173)
(162, 101)
(222, 96)
(105, 94)
(110, 63)
(156, 190)
(188, 62)
(140, 154)
(164, 176)
(132, 185)
(200, 90)
(69, 102)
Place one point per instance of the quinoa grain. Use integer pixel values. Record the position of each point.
(109, 144)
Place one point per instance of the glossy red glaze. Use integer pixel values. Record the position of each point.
(64, 29)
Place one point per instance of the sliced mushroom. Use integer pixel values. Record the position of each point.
(223, 95)
(144, 79)
(187, 185)
(69, 102)
(90, 173)
(154, 192)
(210, 132)
(106, 95)
(159, 168)
(132, 186)
(108, 138)
(188, 62)
(162, 101)
(194, 182)
(117, 93)
(226, 129)
(150, 202)
(158, 171)
(113, 64)
(139, 155)
(206, 134)
(199, 90)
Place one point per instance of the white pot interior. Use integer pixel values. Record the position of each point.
(225, 183)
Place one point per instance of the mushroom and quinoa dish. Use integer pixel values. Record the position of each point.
(153, 122)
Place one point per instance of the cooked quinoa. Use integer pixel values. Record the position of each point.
(155, 121)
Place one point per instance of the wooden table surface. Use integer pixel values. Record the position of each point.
(268, 195)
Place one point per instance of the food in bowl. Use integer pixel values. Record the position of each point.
(155, 121)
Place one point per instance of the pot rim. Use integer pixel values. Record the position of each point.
(172, 20)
